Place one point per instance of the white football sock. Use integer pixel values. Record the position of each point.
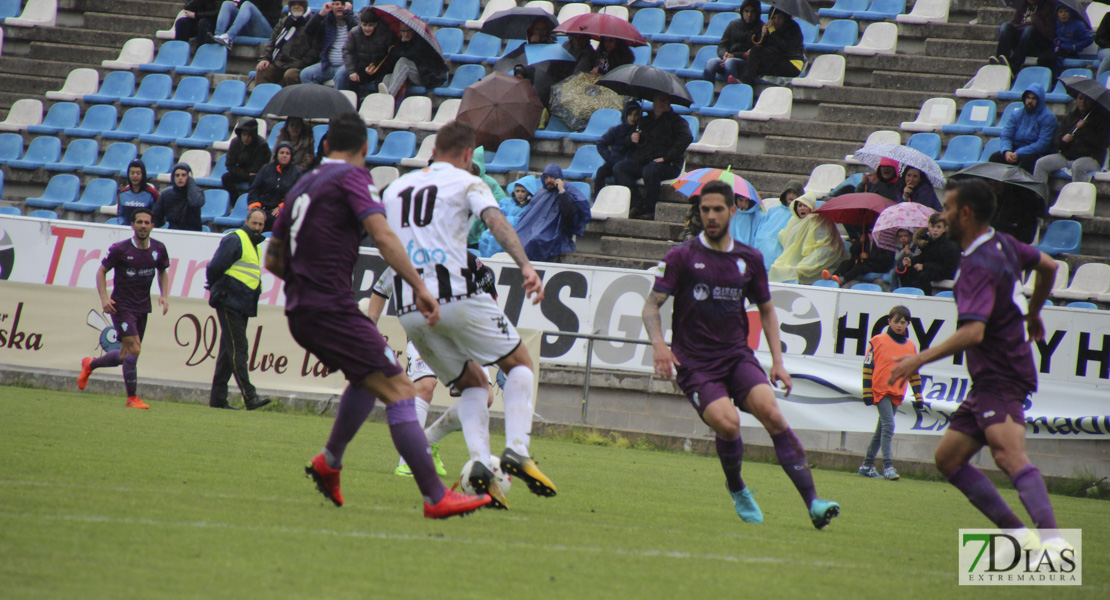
(474, 416)
(446, 424)
(518, 409)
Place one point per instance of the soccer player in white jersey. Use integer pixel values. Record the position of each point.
(430, 210)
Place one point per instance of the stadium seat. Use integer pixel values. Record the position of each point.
(215, 205)
(60, 116)
(990, 147)
(987, 82)
(492, 7)
(684, 25)
(190, 91)
(695, 126)
(571, 10)
(158, 160)
(43, 214)
(702, 93)
(556, 130)
(961, 151)
(934, 114)
(878, 38)
(173, 126)
(843, 9)
(838, 35)
(600, 122)
(215, 178)
(59, 190)
(810, 32)
(944, 294)
(649, 21)
(114, 161)
(447, 111)
(135, 52)
(384, 175)
(450, 40)
(732, 6)
(171, 55)
(613, 202)
(36, 13)
(614, 8)
(908, 291)
(97, 193)
(426, 9)
(413, 110)
(153, 88)
(9, 9)
(258, 100)
(210, 58)
(457, 14)
(98, 119)
(512, 155)
(1061, 281)
(882, 136)
(481, 48)
(996, 129)
(826, 283)
(117, 85)
(396, 146)
(1085, 305)
(827, 70)
(199, 161)
(584, 164)
(9, 211)
(22, 114)
(734, 97)
(974, 117)
(544, 5)
(78, 84)
(1060, 237)
(1091, 281)
(1025, 78)
(11, 147)
(672, 57)
(423, 156)
(696, 68)
(1058, 93)
(209, 130)
(238, 214)
(774, 103)
(229, 94)
(716, 28)
(170, 33)
(824, 178)
(1077, 199)
(867, 287)
(465, 75)
(79, 154)
(721, 135)
(641, 55)
(135, 122)
(881, 10)
(926, 11)
(376, 108)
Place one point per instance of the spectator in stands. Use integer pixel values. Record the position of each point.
(778, 50)
(178, 207)
(744, 225)
(735, 43)
(937, 259)
(514, 207)
(615, 144)
(585, 57)
(365, 52)
(272, 183)
(612, 53)
(251, 18)
(246, 156)
(657, 153)
(301, 139)
(1102, 40)
(198, 22)
(1082, 141)
(767, 236)
(412, 61)
(810, 244)
(555, 215)
(917, 188)
(1019, 210)
(540, 32)
(903, 258)
(1027, 131)
(330, 27)
(289, 50)
(884, 182)
(478, 169)
(1072, 35)
(1029, 32)
(863, 257)
(138, 193)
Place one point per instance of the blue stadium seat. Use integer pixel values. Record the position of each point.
(271, 138)
(238, 214)
(483, 47)
(9, 211)
(209, 130)
(962, 151)
(702, 93)
(996, 129)
(210, 58)
(1025, 78)
(672, 57)
(98, 192)
(641, 55)
(115, 160)
(944, 294)
(881, 10)
(843, 9)
(464, 76)
(258, 100)
(450, 40)
(135, 122)
(60, 116)
(684, 25)
(584, 164)
(1086, 305)
(11, 147)
(158, 160)
(583, 187)
(512, 155)
(395, 146)
(993, 145)
(153, 87)
(80, 153)
(733, 98)
(190, 91)
(215, 178)
(116, 85)
(867, 287)
(98, 119)
(731, 6)
(600, 122)
(9, 9)
(426, 9)
(649, 21)
(908, 291)
(171, 55)
(173, 126)
(697, 65)
(43, 214)
(228, 94)
(975, 116)
(695, 127)
(826, 283)
(1058, 93)
(556, 130)
(457, 13)
(927, 143)
(215, 204)
(1061, 237)
(716, 27)
(42, 151)
(59, 190)
(837, 35)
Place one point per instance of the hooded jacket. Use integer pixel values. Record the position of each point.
(290, 46)
(129, 199)
(738, 36)
(1073, 36)
(229, 292)
(243, 160)
(787, 42)
(304, 151)
(487, 244)
(273, 182)
(810, 245)
(552, 219)
(666, 136)
(887, 188)
(767, 235)
(478, 226)
(1090, 140)
(742, 227)
(179, 207)
(1029, 132)
(614, 144)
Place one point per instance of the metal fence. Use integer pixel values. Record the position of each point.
(590, 339)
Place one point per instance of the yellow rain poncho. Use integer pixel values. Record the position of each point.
(809, 246)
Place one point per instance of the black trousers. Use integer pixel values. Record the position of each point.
(232, 358)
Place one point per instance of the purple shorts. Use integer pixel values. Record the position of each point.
(345, 340)
(732, 377)
(985, 407)
(129, 323)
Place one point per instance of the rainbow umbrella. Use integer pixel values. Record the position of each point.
(690, 184)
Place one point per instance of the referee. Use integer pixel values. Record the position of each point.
(234, 284)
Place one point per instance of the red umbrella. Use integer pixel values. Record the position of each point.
(855, 209)
(598, 25)
(394, 16)
(501, 107)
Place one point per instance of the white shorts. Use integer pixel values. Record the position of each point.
(417, 369)
(470, 329)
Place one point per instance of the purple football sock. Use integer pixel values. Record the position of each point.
(110, 359)
(793, 459)
(983, 495)
(355, 405)
(1031, 489)
(731, 453)
(408, 438)
(131, 374)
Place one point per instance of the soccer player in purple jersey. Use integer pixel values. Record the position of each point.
(135, 261)
(314, 248)
(993, 321)
(710, 277)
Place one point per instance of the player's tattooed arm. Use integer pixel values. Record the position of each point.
(164, 288)
(665, 360)
(275, 257)
(505, 235)
(391, 249)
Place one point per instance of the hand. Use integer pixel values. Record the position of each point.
(906, 261)
(109, 306)
(635, 137)
(532, 284)
(371, 69)
(918, 405)
(1035, 326)
(561, 185)
(1081, 123)
(190, 14)
(745, 55)
(428, 306)
(664, 361)
(262, 65)
(326, 9)
(907, 365)
(164, 303)
(727, 56)
(348, 7)
(908, 191)
(919, 266)
(659, 160)
(863, 256)
(594, 70)
(869, 177)
(1012, 158)
(353, 77)
(275, 212)
(1067, 138)
(778, 374)
(766, 28)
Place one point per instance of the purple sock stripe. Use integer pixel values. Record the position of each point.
(1034, 496)
(983, 495)
(402, 411)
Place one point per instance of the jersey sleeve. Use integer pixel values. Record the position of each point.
(163, 260)
(1027, 256)
(112, 258)
(975, 294)
(384, 285)
(758, 291)
(361, 193)
(479, 197)
(666, 280)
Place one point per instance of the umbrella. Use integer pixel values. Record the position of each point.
(1008, 174)
(538, 53)
(1089, 88)
(644, 81)
(799, 9)
(906, 157)
(598, 25)
(575, 98)
(395, 16)
(855, 209)
(1076, 8)
(501, 107)
(904, 215)
(308, 101)
(690, 184)
(513, 24)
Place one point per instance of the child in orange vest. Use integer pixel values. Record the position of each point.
(881, 354)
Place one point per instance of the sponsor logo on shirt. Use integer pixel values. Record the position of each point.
(728, 293)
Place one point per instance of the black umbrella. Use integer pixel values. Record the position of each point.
(1089, 88)
(308, 101)
(644, 81)
(513, 24)
(799, 9)
(1008, 174)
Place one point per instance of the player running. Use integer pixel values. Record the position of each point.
(314, 248)
(135, 262)
(993, 318)
(430, 210)
(710, 277)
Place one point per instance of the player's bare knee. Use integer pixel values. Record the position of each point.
(472, 377)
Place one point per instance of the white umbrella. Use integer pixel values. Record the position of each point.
(906, 157)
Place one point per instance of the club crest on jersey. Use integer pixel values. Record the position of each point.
(741, 265)
(701, 291)
(661, 269)
(154, 255)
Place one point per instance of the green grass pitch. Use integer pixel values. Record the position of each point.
(181, 501)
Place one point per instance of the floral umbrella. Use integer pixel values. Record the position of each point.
(904, 215)
(906, 157)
